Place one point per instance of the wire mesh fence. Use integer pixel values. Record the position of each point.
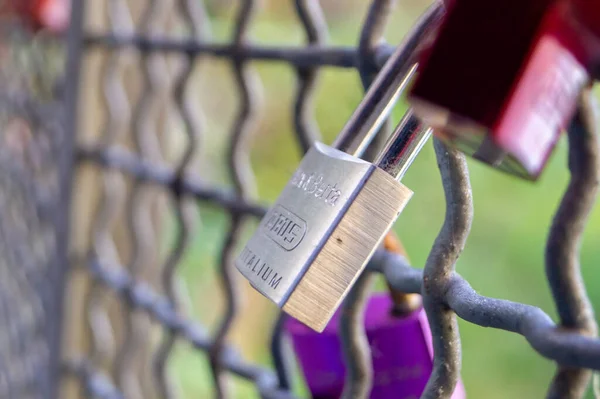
(126, 296)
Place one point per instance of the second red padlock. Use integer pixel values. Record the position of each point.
(501, 80)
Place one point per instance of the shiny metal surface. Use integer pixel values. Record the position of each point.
(347, 248)
(296, 227)
(390, 83)
(403, 146)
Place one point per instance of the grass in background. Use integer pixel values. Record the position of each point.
(503, 257)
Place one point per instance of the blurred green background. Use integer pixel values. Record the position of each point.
(504, 257)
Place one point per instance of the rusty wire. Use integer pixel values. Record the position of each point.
(562, 248)
(440, 267)
(105, 371)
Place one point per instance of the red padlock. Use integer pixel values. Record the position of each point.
(51, 15)
(501, 80)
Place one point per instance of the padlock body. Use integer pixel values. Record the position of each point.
(544, 97)
(295, 228)
(477, 55)
(319, 235)
(507, 103)
(401, 353)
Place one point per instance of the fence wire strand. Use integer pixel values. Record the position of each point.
(562, 249)
(116, 104)
(110, 368)
(184, 215)
(313, 23)
(132, 354)
(440, 267)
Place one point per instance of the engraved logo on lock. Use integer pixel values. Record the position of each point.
(285, 228)
(315, 185)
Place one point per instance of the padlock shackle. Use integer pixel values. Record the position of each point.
(403, 145)
(389, 84)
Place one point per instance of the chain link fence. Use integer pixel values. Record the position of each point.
(123, 295)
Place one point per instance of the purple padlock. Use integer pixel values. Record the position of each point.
(401, 353)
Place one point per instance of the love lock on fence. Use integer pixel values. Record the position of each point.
(496, 80)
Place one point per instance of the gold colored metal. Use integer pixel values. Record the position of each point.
(346, 251)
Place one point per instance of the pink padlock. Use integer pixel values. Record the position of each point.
(401, 353)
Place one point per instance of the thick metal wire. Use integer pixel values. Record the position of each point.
(109, 369)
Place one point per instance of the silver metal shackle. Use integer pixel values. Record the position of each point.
(389, 84)
(403, 145)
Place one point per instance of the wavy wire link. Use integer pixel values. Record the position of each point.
(248, 86)
(183, 215)
(103, 349)
(129, 365)
(573, 346)
(439, 270)
(562, 249)
(446, 292)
